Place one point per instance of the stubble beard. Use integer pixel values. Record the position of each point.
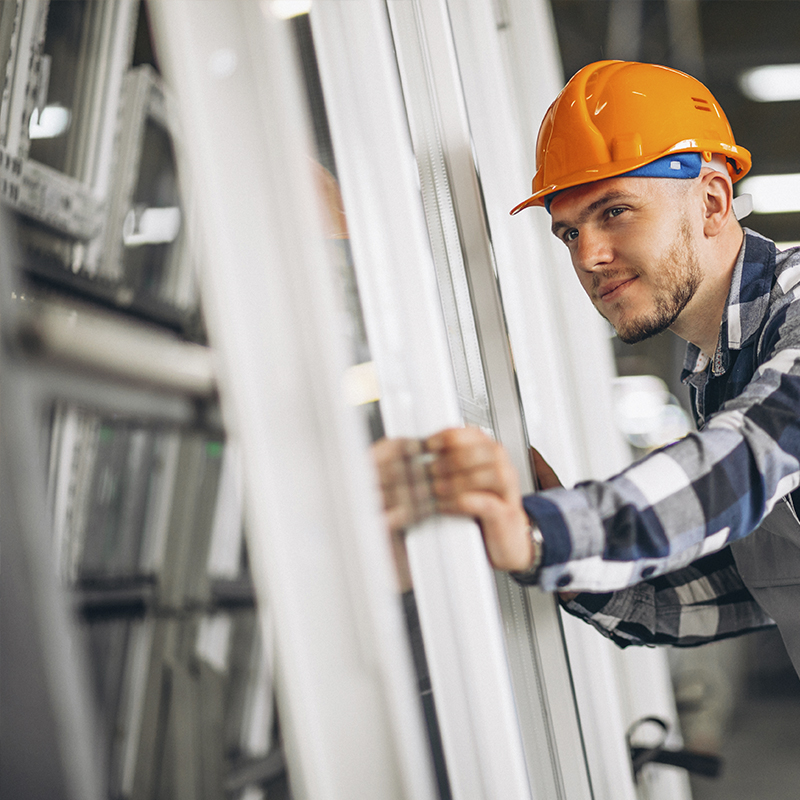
(676, 279)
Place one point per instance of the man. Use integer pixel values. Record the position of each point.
(699, 540)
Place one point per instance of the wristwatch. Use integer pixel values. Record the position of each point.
(531, 575)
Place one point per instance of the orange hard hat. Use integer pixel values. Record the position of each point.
(616, 116)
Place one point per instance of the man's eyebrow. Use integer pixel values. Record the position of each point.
(587, 212)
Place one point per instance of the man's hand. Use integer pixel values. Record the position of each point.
(406, 491)
(545, 477)
(405, 483)
(460, 471)
(473, 476)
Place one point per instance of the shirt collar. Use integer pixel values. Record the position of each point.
(747, 304)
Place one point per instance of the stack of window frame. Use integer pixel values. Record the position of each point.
(105, 363)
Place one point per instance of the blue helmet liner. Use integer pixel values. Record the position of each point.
(678, 165)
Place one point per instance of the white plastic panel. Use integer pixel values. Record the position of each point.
(320, 561)
(453, 583)
(562, 353)
(543, 690)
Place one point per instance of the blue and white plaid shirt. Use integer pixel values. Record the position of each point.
(649, 544)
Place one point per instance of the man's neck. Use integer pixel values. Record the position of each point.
(700, 321)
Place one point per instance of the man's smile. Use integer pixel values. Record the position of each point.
(611, 290)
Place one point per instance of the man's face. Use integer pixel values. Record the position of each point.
(633, 250)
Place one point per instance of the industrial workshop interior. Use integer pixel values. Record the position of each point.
(242, 240)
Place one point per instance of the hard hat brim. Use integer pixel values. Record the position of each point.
(739, 155)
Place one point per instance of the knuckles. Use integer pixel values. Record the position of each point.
(470, 474)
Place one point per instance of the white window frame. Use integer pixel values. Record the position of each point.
(453, 583)
(350, 716)
(234, 66)
(568, 404)
(70, 204)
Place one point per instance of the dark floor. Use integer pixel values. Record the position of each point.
(762, 755)
(761, 750)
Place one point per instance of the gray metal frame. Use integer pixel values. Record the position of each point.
(44, 695)
(69, 369)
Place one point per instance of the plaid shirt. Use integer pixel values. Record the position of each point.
(649, 544)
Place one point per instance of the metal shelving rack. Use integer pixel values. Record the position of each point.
(126, 585)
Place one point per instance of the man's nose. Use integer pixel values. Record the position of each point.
(592, 252)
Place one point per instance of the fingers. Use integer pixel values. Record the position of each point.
(467, 459)
(473, 476)
(453, 439)
(407, 495)
(460, 471)
(420, 478)
(498, 479)
(405, 483)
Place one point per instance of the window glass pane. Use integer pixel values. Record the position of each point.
(153, 221)
(361, 379)
(68, 24)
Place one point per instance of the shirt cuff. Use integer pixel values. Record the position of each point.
(580, 540)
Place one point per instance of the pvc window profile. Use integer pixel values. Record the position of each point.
(317, 563)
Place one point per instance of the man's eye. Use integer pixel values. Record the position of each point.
(616, 211)
(570, 235)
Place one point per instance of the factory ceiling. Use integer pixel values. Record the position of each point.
(716, 41)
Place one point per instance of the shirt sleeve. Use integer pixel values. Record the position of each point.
(689, 499)
(702, 603)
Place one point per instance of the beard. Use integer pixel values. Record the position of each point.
(676, 278)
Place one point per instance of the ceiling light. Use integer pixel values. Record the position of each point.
(771, 84)
(772, 194)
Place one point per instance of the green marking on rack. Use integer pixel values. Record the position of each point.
(213, 449)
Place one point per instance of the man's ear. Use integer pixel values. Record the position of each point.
(717, 196)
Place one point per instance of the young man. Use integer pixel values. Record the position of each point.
(699, 540)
